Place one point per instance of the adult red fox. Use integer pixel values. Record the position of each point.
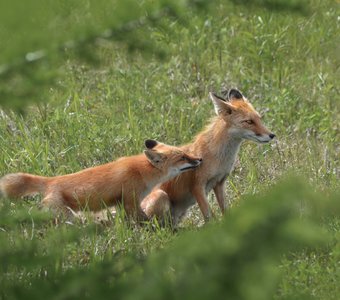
(218, 145)
(127, 180)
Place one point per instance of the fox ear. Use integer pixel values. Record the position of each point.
(155, 158)
(150, 144)
(220, 105)
(235, 94)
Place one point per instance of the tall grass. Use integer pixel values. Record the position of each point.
(286, 64)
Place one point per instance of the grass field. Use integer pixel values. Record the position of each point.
(287, 65)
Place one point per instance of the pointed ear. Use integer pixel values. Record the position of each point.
(235, 94)
(220, 105)
(155, 158)
(150, 144)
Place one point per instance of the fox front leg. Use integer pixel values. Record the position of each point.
(199, 193)
(220, 195)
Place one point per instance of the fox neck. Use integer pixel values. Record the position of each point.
(153, 176)
(219, 140)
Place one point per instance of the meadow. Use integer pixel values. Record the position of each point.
(287, 64)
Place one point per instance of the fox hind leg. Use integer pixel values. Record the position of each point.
(156, 204)
(55, 203)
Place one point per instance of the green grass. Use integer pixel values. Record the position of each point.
(286, 64)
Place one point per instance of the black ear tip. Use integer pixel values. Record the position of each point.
(150, 144)
(235, 93)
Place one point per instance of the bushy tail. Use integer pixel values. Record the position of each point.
(17, 185)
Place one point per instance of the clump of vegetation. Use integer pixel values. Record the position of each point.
(237, 258)
(103, 102)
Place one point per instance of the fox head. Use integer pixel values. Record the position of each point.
(243, 120)
(169, 159)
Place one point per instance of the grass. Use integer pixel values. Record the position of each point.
(286, 64)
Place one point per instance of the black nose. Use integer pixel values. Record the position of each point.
(199, 160)
(272, 135)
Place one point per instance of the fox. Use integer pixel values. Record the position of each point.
(125, 181)
(218, 145)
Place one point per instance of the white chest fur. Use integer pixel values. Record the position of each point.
(223, 163)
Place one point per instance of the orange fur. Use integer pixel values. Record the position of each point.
(218, 145)
(126, 180)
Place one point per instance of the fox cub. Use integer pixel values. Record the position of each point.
(127, 180)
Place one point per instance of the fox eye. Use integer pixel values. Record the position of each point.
(183, 158)
(249, 122)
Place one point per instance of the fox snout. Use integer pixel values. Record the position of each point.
(197, 162)
(263, 138)
(191, 164)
